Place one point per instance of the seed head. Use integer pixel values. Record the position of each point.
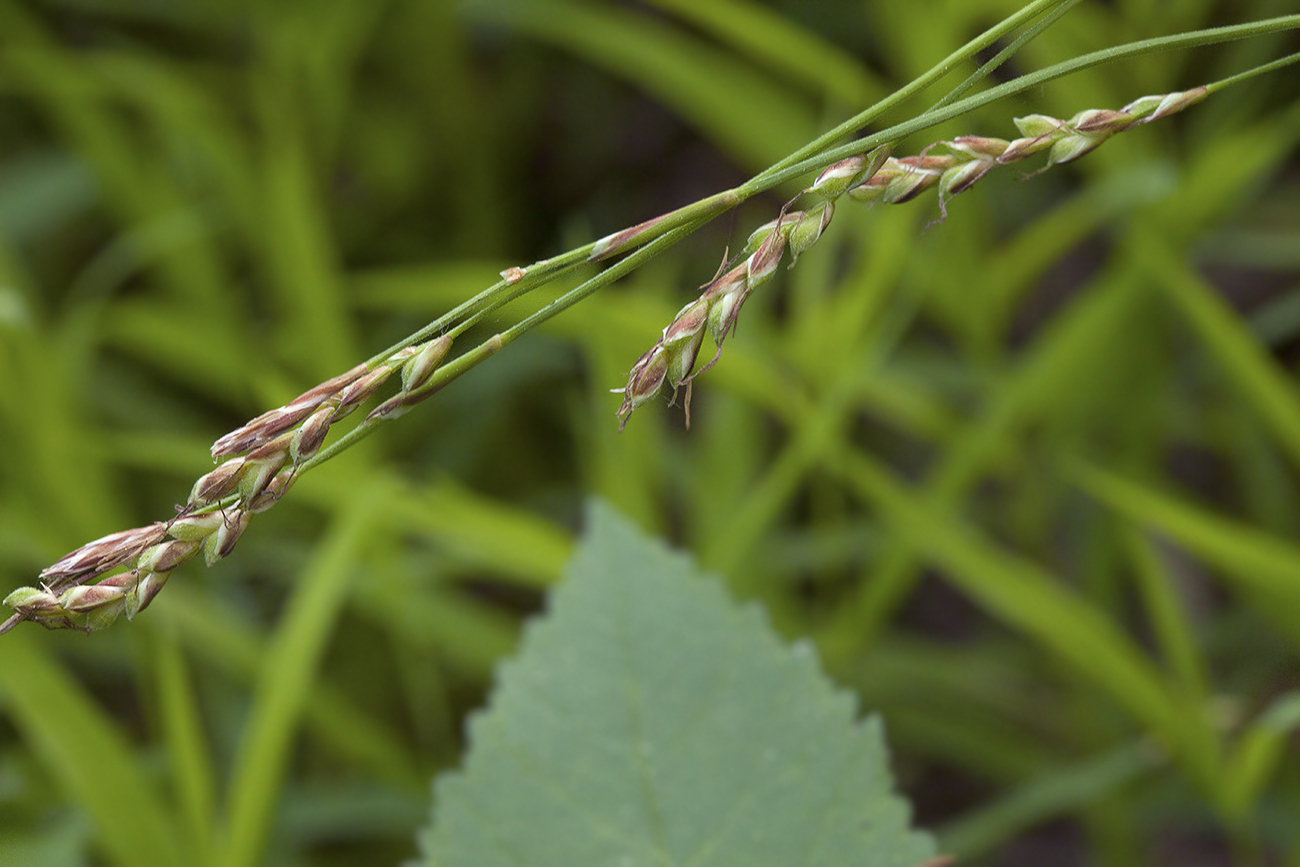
(780, 226)
(619, 241)
(259, 473)
(682, 339)
(89, 597)
(838, 178)
(274, 491)
(1071, 147)
(395, 407)
(961, 178)
(274, 422)
(416, 375)
(86, 607)
(725, 295)
(978, 146)
(687, 324)
(359, 391)
(1100, 120)
(643, 383)
(915, 176)
(260, 429)
(809, 228)
(981, 157)
(222, 541)
(417, 371)
(166, 556)
(104, 553)
(143, 592)
(761, 265)
(1149, 108)
(217, 484)
(30, 600)
(308, 438)
(876, 176)
(194, 528)
(903, 179)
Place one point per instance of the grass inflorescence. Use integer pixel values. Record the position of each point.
(870, 178)
(259, 462)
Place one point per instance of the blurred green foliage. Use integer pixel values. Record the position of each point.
(1027, 477)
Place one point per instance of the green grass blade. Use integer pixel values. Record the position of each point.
(1021, 594)
(288, 672)
(1264, 384)
(226, 644)
(743, 112)
(477, 529)
(1259, 753)
(1057, 792)
(783, 46)
(1169, 622)
(183, 729)
(1061, 365)
(862, 330)
(89, 756)
(299, 259)
(1249, 556)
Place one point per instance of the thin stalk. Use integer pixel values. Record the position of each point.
(616, 271)
(1251, 73)
(471, 359)
(916, 85)
(499, 293)
(939, 114)
(1029, 35)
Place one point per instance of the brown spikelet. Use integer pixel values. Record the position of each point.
(104, 553)
(274, 422)
(219, 483)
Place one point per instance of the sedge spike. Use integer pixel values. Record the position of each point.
(122, 572)
(870, 178)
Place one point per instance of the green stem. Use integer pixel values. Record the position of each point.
(651, 238)
(499, 293)
(471, 359)
(1251, 73)
(915, 86)
(939, 114)
(621, 268)
(1029, 35)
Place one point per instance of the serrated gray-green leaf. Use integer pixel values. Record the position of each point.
(650, 722)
